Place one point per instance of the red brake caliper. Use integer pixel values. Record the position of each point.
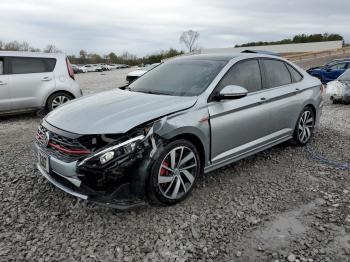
(163, 171)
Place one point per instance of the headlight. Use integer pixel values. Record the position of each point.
(106, 157)
(111, 152)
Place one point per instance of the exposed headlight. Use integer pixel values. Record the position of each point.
(123, 150)
(120, 149)
(106, 157)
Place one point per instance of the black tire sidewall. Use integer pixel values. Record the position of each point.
(154, 194)
(295, 134)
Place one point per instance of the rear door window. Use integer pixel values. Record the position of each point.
(245, 74)
(296, 76)
(276, 73)
(28, 65)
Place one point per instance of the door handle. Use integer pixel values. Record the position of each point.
(2, 83)
(296, 91)
(263, 100)
(46, 78)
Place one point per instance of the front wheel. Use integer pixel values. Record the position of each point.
(174, 173)
(304, 127)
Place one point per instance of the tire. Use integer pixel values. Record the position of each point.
(179, 179)
(58, 99)
(304, 127)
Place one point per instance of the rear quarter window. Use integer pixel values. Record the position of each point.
(28, 65)
(296, 76)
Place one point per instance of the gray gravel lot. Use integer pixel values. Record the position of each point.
(279, 205)
(100, 81)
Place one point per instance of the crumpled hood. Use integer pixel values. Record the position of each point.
(114, 111)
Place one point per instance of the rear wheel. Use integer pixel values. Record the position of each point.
(304, 127)
(58, 99)
(174, 173)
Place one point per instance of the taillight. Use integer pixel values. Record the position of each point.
(70, 69)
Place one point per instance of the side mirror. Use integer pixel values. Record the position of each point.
(231, 92)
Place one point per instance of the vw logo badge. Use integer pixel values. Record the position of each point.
(46, 139)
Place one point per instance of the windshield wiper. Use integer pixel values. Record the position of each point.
(153, 92)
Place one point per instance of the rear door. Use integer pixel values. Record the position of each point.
(4, 87)
(283, 88)
(31, 79)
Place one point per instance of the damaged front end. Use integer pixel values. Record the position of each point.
(106, 169)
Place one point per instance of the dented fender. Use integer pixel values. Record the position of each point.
(181, 124)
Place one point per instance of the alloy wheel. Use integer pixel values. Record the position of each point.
(59, 100)
(305, 126)
(177, 172)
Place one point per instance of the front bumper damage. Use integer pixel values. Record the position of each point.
(119, 184)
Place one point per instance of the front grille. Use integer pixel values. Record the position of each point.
(60, 146)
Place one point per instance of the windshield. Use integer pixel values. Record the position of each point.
(179, 77)
(345, 76)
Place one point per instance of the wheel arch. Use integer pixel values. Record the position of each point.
(55, 92)
(196, 141)
(313, 108)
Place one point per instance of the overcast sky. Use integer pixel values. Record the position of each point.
(147, 26)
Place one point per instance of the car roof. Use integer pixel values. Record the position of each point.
(225, 56)
(338, 60)
(31, 54)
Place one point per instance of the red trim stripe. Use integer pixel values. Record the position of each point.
(70, 151)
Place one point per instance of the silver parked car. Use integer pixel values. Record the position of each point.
(132, 76)
(30, 81)
(153, 140)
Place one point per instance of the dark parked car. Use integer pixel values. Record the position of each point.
(330, 71)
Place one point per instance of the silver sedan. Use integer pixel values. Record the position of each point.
(188, 116)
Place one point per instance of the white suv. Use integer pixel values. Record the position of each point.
(30, 81)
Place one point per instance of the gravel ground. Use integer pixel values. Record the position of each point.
(279, 205)
(100, 81)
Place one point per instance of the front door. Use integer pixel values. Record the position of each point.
(236, 123)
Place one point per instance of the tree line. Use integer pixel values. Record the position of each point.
(301, 38)
(124, 58)
(26, 47)
(93, 58)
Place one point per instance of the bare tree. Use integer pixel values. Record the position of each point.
(190, 39)
(51, 49)
(24, 46)
(1, 45)
(12, 46)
